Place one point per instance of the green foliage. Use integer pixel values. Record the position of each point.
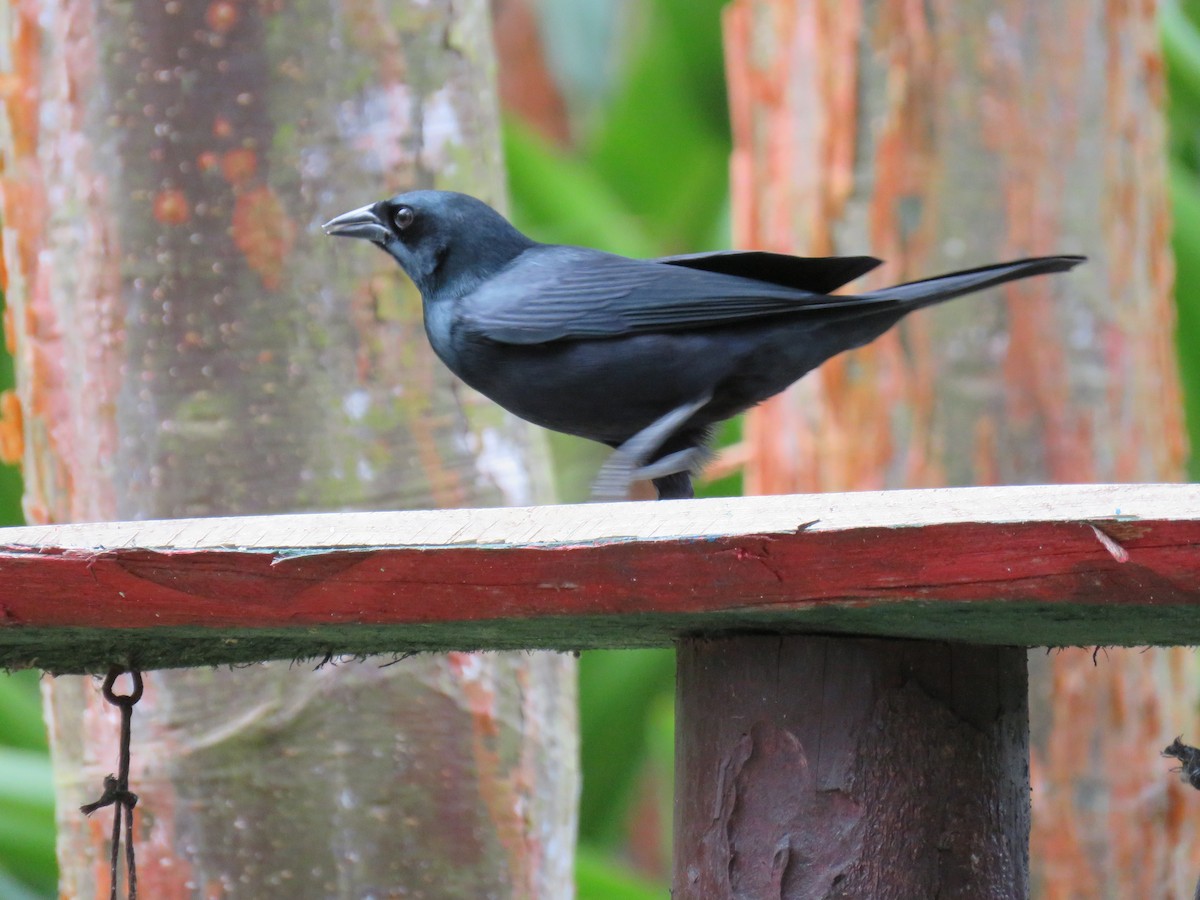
(561, 198)
(21, 726)
(1185, 199)
(597, 877)
(649, 175)
(27, 864)
(1180, 28)
(619, 693)
(27, 821)
(663, 143)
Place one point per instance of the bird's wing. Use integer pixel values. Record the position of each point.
(818, 274)
(553, 293)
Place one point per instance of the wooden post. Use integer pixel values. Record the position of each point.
(811, 767)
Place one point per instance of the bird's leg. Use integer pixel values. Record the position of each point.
(685, 460)
(676, 487)
(630, 461)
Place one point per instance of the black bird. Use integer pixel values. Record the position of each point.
(644, 355)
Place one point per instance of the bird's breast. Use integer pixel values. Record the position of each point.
(443, 328)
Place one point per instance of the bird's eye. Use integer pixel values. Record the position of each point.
(403, 217)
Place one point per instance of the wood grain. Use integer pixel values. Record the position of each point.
(1063, 565)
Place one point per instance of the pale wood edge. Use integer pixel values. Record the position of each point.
(600, 523)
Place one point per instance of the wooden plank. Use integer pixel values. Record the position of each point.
(1061, 565)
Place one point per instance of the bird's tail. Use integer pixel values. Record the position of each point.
(928, 291)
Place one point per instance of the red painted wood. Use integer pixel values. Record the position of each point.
(991, 565)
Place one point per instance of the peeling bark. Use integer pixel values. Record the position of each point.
(884, 772)
(189, 343)
(941, 135)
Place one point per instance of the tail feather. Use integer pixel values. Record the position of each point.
(946, 287)
(864, 317)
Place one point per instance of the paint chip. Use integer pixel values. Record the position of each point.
(1119, 553)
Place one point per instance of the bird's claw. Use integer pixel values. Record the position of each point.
(619, 472)
(629, 462)
(690, 460)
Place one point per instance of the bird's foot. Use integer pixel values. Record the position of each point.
(630, 462)
(619, 472)
(690, 460)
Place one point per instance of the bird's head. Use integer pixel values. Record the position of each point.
(444, 241)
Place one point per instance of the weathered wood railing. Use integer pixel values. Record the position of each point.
(851, 665)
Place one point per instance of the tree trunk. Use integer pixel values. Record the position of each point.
(947, 135)
(190, 344)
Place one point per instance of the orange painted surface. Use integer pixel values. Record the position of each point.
(44, 289)
(171, 207)
(982, 133)
(794, 106)
(12, 429)
(505, 783)
(263, 233)
(239, 165)
(221, 16)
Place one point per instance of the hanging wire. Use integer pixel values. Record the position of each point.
(116, 787)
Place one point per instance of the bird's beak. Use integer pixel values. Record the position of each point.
(359, 223)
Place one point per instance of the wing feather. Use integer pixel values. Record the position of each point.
(553, 293)
(819, 274)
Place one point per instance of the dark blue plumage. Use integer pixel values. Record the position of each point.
(643, 355)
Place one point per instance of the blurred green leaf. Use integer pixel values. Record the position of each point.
(560, 199)
(576, 462)
(27, 819)
(27, 842)
(597, 877)
(618, 690)
(728, 432)
(1180, 33)
(1181, 48)
(13, 888)
(1185, 200)
(21, 722)
(664, 143)
(584, 43)
(660, 754)
(25, 779)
